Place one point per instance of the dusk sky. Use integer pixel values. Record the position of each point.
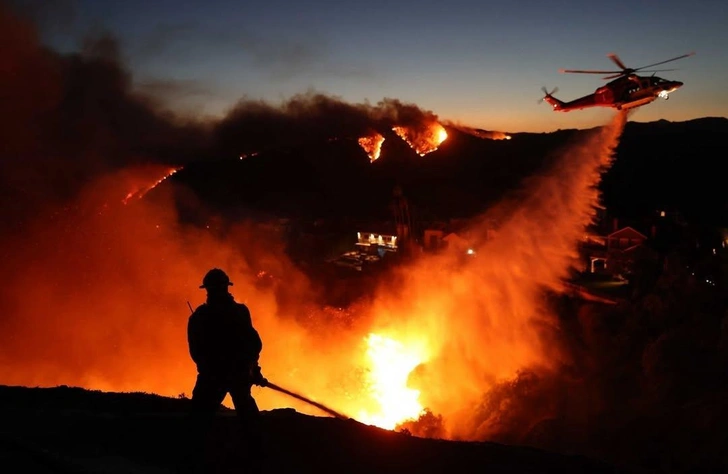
(480, 63)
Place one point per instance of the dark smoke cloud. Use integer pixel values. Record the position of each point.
(95, 289)
(69, 118)
(50, 16)
(309, 118)
(171, 91)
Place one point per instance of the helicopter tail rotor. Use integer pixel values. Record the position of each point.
(547, 93)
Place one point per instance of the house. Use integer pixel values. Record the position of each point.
(373, 243)
(594, 251)
(455, 242)
(624, 247)
(624, 238)
(433, 239)
(615, 253)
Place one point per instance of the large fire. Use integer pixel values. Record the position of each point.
(391, 364)
(441, 339)
(372, 145)
(423, 139)
(99, 299)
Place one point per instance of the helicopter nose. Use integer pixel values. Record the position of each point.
(675, 85)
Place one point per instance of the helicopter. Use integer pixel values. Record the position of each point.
(627, 90)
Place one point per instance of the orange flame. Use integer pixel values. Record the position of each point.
(423, 140)
(500, 136)
(442, 336)
(390, 366)
(372, 145)
(140, 188)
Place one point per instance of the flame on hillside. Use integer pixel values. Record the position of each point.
(390, 365)
(440, 338)
(142, 184)
(422, 139)
(480, 133)
(500, 136)
(372, 145)
(447, 334)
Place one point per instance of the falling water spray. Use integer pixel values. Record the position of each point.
(486, 322)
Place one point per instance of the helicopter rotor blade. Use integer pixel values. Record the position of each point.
(583, 71)
(666, 61)
(658, 70)
(617, 61)
(626, 71)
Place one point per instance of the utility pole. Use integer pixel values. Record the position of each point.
(402, 220)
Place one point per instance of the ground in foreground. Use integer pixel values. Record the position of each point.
(62, 429)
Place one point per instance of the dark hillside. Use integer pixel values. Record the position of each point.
(673, 165)
(93, 432)
(658, 165)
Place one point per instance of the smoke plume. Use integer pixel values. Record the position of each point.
(253, 126)
(72, 118)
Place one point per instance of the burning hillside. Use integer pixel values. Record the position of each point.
(453, 347)
(255, 126)
(133, 268)
(439, 339)
(147, 183)
(423, 138)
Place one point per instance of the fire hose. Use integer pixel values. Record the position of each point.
(266, 383)
(321, 407)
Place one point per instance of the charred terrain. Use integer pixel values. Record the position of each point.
(113, 208)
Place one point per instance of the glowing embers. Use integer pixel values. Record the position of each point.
(391, 363)
(423, 139)
(372, 145)
(142, 183)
